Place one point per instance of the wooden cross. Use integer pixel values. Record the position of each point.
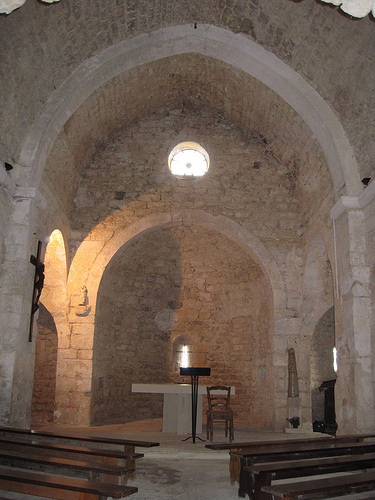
(38, 285)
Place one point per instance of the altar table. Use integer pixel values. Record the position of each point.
(177, 405)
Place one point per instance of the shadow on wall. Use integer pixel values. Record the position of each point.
(321, 361)
(136, 311)
(43, 400)
(187, 283)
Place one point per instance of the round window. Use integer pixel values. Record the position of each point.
(188, 159)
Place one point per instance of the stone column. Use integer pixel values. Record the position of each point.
(354, 395)
(74, 363)
(17, 354)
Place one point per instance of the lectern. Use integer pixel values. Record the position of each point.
(194, 373)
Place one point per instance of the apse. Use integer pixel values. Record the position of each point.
(173, 284)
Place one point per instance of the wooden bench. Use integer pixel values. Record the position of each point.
(325, 437)
(128, 444)
(280, 451)
(94, 469)
(324, 487)
(98, 457)
(263, 474)
(63, 450)
(53, 486)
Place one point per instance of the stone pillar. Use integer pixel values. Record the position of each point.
(17, 354)
(286, 332)
(74, 362)
(354, 395)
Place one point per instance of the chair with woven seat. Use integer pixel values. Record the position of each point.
(219, 410)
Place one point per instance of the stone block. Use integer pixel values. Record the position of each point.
(85, 354)
(85, 342)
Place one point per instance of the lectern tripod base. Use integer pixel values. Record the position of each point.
(194, 373)
(194, 438)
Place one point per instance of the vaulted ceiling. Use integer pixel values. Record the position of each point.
(42, 45)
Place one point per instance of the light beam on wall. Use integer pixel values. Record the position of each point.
(335, 359)
(185, 357)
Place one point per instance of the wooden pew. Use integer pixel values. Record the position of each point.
(100, 457)
(325, 437)
(281, 451)
(61, 450)
(53, 486)
(332, 486)
(263, 474)
(91, 468)
(128, 444)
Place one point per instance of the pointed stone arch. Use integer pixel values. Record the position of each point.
(100, 257)
(318, 322)
(51, 323)
(234, 49)
(97, 256)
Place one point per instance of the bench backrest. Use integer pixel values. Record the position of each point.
(324, 485)
(240, 446)
(300, 447)
(312, 463)
(79, 450)
(93, 439)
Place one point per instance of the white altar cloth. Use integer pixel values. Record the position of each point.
(177, 405)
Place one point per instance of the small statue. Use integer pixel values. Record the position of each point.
(83, 308)
(293, 390)
(83, 296)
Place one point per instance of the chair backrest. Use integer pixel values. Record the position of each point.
(216, 401)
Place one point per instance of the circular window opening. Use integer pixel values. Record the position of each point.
(188, 160)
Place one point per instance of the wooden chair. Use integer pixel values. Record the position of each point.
(219, 410)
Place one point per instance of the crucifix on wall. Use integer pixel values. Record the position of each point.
(38, 286)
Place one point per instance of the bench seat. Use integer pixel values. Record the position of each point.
(19, 443)
(279, 452)
(127, 443)
(59, 487)
(248, 444)
(93, 468)
(323, 487)
(263, 474)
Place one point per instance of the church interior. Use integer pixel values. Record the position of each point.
(119, 264)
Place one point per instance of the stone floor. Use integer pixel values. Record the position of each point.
(177, 469)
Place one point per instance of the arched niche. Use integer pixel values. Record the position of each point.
(182, 282)
(318, 323)
(51, 318)
(321, 361)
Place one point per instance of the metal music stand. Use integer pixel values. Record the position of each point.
(194, 374)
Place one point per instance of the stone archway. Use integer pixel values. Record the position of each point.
(51, 321)
(182, 281)
(78, 378)
(321, 361)
(317, 323)
(210, 41)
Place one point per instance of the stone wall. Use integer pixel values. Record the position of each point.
(128, 181)
(4, 211)
(43, 402)
(321, 361)
(173, 282)
(258, 181)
